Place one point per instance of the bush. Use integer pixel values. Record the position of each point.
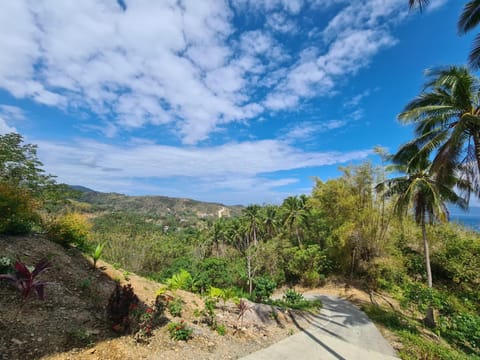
(18, 209)
(180, 331)
(291, 297)
(72, 228)
(264, 288)
(181, 280)
(175, 307)
(463, 329)
(214, 272)
(307, 265)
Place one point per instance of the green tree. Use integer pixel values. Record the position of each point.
(295, 214)
(270, 220)
(419, 190)
(253, 219)
(447, 117)
(19, 164)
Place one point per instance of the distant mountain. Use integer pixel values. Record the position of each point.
(157, 206)
(82, 189)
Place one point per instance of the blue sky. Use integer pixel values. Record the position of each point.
(236, 101)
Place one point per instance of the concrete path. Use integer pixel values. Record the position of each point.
(339, 332)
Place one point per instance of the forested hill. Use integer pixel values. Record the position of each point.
(158, 206)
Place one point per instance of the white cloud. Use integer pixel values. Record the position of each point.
(308, 130)
(234, 166)
(181, 63)
(5, 128)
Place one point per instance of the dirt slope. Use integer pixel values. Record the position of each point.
(71, 322)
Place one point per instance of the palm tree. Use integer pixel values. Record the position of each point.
(252, 215)
(269, 220)
(469, 18)
(295, 214)
(446, 116)
(420, 190)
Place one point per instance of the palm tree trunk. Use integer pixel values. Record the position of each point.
(476, 142)
(430, 316)
(300, 245)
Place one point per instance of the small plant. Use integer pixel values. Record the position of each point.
(25, 280)
(97, 253)
(126, 275)
(85, 284)
(116, 266)
(6, 265)
(264, 288)
(209, 315)
(180, 331)
(181, 280)
(221, 330)
(175, 307)
(121, 302)
(242, 307)
(291, 297)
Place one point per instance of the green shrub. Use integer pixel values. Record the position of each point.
(291, 297)
(306, 265)
(68, 229)
(175, 307)
(221, 330)
(180, 331)
(421, 297)
(181, 280)
(18, 209)
(462, 329)
(214, 272)
(264, 288)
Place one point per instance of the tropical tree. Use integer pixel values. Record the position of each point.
(420, 191)
(469, 19)
(295, 213)
(269, 220)
(446, 116)
(253, 218)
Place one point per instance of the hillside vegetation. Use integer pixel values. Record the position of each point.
(357, 228)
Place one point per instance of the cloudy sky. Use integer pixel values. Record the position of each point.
(235, 101)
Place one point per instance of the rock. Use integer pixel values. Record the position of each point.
(92, 351)
(39, 339)
(16, 341)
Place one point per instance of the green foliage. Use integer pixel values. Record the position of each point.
(6, 265)
(214, 272)
(417, 347)
(421, 297)
(70, 229)
(221, 330)
(181, 280)
(463, 329)
(209, 315)
(19, 165)
(307, 265)
(264, 288)
(18, 209)
(295, 300)
(97, 253)
(180, 331)
(175, 307)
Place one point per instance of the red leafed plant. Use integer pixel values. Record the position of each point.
(25, 280)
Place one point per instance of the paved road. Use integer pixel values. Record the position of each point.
(339, 332)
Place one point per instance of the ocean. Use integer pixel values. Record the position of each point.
(470, 219)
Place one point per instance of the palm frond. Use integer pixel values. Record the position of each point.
(470, 16)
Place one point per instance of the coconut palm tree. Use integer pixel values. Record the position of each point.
(419, 190)
(295, 214)
(253, 218)
(269, 220)
(446, 116)
(469, 18)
